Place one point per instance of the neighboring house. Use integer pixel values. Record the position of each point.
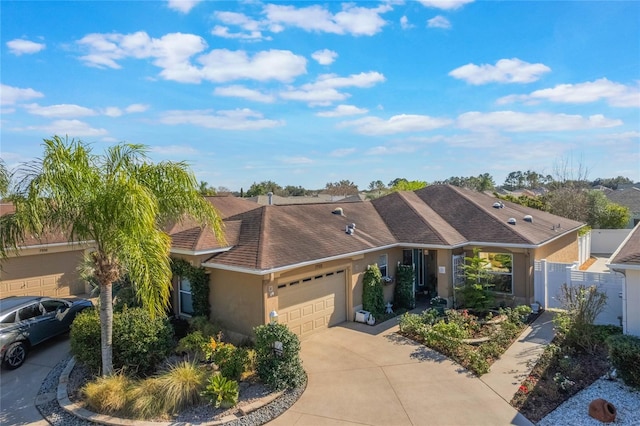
(44, 266)
(301, 261)
(272, 199)
(626, 260)
(630, 198)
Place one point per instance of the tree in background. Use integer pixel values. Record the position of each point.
(119, 201)
(206, 190)
(263, 188)
(342, 188)
(612, 183)
(295, 191)
(405, 185)
(480, 183)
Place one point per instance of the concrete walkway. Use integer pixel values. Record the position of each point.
(516, 363)
(361, 375)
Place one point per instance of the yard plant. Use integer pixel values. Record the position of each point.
(118, 202)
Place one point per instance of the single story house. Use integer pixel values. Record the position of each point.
(626, 260)
(306, 262)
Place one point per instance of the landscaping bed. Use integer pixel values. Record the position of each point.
(473, 341)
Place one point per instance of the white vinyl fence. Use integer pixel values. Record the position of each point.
(549, 277)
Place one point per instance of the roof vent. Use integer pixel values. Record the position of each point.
(338, 210)
(511, 221)
(498, 205)
(350, 228)
(528, 218)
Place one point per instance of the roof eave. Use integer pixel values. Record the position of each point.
(199, 252)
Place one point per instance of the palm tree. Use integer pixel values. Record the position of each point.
(119, 201)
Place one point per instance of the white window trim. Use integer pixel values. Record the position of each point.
(180, 292)
(386, 264)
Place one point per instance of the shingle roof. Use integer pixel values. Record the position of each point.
(276, 236)
(629, 253)
(628, 197)
(472, 214)
(411, 220)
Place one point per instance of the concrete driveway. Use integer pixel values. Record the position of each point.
(20, 387)
(358, 375)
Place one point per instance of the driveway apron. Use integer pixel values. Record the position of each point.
(358, 375)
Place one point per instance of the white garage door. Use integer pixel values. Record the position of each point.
(313, 303)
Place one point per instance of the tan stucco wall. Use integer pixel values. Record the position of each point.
(237, 300)
(563, 249)
(46, 271)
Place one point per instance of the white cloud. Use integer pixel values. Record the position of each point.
(352, 19)
(392, 149)
(323, 91)
(616, 94)
(244, 93)
(343, 111)
(183, 6)
(296, 160)
(60, 111)
(223, 65)
(24, 47)
(325, 56)
(135, 108)
(397, 124)
(445, 4)
(73, 128)
(511, 121)
(112, 112)
(222, 31)
(504, 71)
(239, 119)
(439, 22)
(173, 52)
(404, 23)
(10, 95)
(342, 152)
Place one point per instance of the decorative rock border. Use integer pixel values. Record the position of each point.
(258, 412)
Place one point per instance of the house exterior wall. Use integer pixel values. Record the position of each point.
(359, 267)
(46, 271)
(562, 250)
(237, 300)
(631, 302)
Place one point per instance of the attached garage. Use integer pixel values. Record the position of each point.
(313, 303)
(50, 274)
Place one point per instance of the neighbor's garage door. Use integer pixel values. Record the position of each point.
(313, 303)
(50, 274)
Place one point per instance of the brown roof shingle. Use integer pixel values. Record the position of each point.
(629, 253)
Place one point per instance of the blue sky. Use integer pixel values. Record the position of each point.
(305, 93)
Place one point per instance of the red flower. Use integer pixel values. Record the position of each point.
(524, 389)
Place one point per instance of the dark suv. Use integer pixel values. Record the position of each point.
(26, 321)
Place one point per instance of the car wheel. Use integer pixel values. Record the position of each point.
(15, 355)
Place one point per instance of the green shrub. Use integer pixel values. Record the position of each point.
(519, 314)
(139, 342)
(221, 392)
(444, 337)
(193, 345)
(373, 291)
(126, 297)
(624, 352)
(204, 326)
(404, 297)
(476, 291)
(234, 363)
(278, 371)
(476, 362)
(411, 324)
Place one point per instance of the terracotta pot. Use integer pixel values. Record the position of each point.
(602, 410)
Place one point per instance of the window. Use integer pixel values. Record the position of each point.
(382, 265)
(186, 298)
(500, 266)
(53, 305)
(30, 311)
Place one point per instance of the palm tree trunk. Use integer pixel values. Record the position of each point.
(106, 328)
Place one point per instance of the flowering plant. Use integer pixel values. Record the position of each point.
(438, 300)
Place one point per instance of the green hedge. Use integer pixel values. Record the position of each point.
(139, 342)
(283, 370)
(403, 293)
(624, 352)
(372, 291)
